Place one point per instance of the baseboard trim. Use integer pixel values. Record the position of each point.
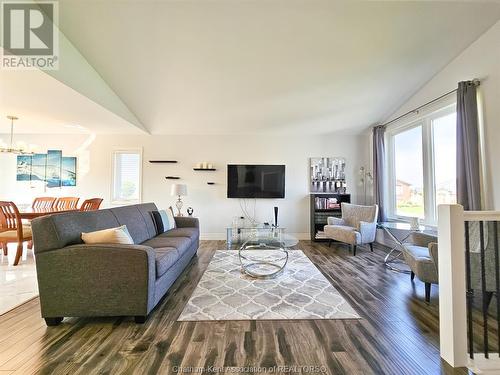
(222, 236)
(213, 236)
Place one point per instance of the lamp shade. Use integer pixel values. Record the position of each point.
(179, 189)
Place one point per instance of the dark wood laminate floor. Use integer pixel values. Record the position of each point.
(398, 332)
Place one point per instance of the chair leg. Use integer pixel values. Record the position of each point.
(329, 243)
(371, 247)
(4, 247)
(354, 250)
(19, 253)
(428, 292)
(30, 245)
(412, 275)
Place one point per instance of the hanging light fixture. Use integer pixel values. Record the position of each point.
(11, 148)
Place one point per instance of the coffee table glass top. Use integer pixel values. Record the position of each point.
(268, 235)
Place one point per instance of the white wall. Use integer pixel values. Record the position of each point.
(209, 201)
(480, 60)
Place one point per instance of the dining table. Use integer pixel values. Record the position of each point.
(32, 213)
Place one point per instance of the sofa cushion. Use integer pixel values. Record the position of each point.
(179, 243)
(137, 223)
(165, 257)
(192, 233)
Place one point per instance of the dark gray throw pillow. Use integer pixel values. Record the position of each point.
(158, 222)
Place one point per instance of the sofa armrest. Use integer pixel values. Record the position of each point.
(186, 222)
(96, 280)
(335, 221)
(368, 231)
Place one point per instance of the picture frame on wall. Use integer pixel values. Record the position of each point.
(51, 169)
(68, 171)
(23, 169)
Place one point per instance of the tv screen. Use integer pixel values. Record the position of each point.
(255, 181)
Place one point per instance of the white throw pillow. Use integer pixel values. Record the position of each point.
(119, 235)
(168, 220)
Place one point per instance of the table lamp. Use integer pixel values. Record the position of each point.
(179, 190)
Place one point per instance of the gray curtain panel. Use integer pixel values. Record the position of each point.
(468, 176)
(379, 169)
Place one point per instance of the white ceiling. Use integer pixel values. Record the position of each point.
(237, 67)
(46, 106)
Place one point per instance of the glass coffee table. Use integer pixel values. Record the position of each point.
(235, 237)
(265, 254)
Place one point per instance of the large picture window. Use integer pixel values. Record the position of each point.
(422, 165)
(127, 176)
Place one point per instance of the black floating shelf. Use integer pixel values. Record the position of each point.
(162, 161)
(210, 183)
(172, 177)
(204, 169)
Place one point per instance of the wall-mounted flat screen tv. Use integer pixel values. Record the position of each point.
(255, 181)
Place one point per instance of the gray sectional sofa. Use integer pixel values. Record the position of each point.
(78, 280)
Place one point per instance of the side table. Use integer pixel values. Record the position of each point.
(395, 255)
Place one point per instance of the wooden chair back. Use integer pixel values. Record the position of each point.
(43, 203)
(91, 204)
(66, 203)
(9, 217)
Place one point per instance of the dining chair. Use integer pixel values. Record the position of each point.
(91, 204)
(66, 203)
(43, 202)
(12, 229)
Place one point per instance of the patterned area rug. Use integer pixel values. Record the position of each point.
(300, 292)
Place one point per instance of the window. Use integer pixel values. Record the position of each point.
(127, 173)
(422, 165)
(409, 176)
(445, 153)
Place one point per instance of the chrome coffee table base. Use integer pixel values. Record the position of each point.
(262, 261)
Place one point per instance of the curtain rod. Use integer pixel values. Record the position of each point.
(476, 82)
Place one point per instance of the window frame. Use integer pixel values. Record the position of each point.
(424, 119)
(138, 151)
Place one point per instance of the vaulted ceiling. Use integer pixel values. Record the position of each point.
(237, 67)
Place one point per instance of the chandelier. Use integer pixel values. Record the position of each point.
(18, 149)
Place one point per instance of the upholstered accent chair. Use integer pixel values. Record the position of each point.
(358, 225)
(421, 254)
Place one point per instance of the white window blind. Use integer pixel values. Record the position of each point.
(127, 176)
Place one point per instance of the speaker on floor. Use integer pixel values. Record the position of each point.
(275, 216)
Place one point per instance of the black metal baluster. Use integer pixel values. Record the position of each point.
(497, 279)
(483, 288)
(469, 293)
